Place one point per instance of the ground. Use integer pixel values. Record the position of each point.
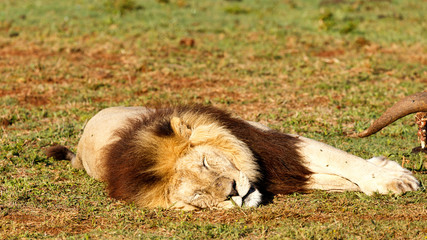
(322, 69)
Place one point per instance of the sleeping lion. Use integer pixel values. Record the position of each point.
(194, 157)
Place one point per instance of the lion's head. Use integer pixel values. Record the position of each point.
(182, 160)
(205, 178)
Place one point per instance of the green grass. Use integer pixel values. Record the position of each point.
(322, 69)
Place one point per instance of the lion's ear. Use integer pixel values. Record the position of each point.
(180, 128)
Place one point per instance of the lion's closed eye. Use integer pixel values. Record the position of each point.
(205, 163)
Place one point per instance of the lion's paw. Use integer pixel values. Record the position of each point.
(389, 178)
(253, 199)
(235, 202)
(388, 164)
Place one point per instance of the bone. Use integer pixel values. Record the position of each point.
(421, 121)
(408, 105)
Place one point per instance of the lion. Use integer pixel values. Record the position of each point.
(194, 157)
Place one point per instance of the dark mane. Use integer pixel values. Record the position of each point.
(277, 153)
(129, 169)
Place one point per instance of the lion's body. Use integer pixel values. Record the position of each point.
(198, 157)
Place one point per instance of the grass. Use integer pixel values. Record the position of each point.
(322, 69)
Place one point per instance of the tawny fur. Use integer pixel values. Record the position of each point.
(141, 165)
(190, 157)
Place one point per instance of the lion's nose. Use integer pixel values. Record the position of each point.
(233, 191)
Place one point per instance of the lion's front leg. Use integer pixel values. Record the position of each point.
(374, 175)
